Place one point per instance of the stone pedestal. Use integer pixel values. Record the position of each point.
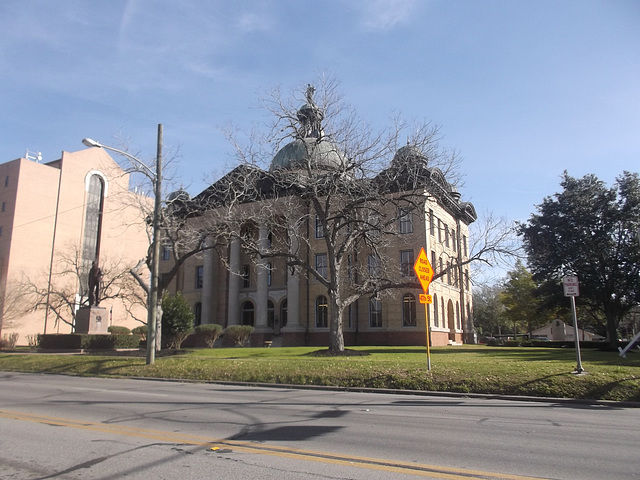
(92, 320)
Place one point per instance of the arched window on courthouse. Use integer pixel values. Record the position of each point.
(408, 310)
(322, 312)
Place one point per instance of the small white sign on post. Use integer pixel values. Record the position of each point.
(571, 286)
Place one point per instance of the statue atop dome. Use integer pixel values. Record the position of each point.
(310, 117)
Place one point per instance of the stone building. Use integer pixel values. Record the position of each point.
(288, 305)
(60, 216)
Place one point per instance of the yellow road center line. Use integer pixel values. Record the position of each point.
(417, 469)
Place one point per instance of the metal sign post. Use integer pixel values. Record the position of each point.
(424, 271)
(572, 289)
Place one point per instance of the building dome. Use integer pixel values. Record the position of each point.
(408, 155)
(179, 195)
(309, 149)
(305, 153)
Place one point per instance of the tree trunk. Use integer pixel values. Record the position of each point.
(336, 336)
(159, 328)
(612, 331)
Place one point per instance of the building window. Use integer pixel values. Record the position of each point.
(321, 264)
(246, 276)
(0, 231)
(406, 220)
(319, 228)
(248, 312)
(373, 227)
(433, 259)
(466, 279)
(454, 239)
(449, 273)
(432, 223)
(458, 322)
(350, 267)
(322, 312)
(373, 265)
(446, 236)
(271, 313)
(375, 312)
(406, 263)
(197, 314)
(439, 231)
(162, 279)
(408, 310)
(199, 276)
(6, 181)
(283, 313)
(92, 224)
(435, 311)
(269, 273)
(166, 253)
(4, 206)
(350, 314)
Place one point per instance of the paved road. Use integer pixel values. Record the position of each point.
(54, 426)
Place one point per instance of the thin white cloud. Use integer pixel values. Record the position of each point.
(381, 15)
(254, 22)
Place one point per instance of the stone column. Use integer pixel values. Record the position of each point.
(262, 294)
(234, 283)
(208, 285)
(293, 292)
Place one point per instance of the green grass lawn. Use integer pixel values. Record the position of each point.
(528, 371)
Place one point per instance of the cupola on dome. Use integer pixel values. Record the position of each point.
(310, 149)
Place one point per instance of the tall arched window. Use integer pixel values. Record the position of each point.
(197, 314)
(408, 310)
(375, 312)
(271, 313)
(322, 312)
(283, 313)
(92, 224)
(435, 311)
(248, 313)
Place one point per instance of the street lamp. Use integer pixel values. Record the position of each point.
(156, 178)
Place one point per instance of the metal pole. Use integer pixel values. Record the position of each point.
(426, 323)
(53, 249)
(579, 368)
(153, 286)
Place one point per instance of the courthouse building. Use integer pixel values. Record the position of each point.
(288, 307)
(60, 216)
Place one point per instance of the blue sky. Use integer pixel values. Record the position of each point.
(522, 90)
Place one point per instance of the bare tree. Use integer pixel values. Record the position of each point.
(14, 303)
(335, 179)
(67, 290)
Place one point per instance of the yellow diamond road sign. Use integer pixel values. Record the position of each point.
(423, 270)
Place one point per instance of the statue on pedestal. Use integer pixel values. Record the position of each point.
(95, 281)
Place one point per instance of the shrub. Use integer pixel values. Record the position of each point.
(177, 319)
(142, 331)
(9, 341)
(117, 330)
(239, 334)
(209, 333)
(77, 341)
(33, 341)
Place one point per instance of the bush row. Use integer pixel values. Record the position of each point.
(121, 337)
(76, 341)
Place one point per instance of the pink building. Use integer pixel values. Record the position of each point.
(55, 219)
